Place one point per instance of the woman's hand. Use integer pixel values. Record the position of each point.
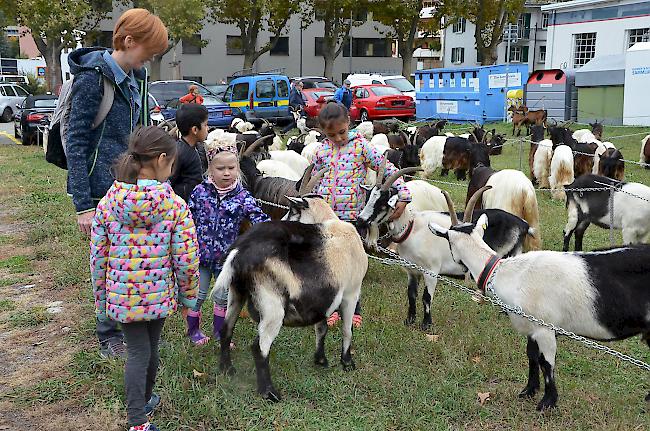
(399, 209)
(85, 222)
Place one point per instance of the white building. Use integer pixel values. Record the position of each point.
(460, 46)
(580, 30)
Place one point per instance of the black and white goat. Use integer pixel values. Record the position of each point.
(631, 214)
(416, 243)
(293, 273)
(602, 295)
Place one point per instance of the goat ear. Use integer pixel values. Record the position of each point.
(438, 230)
(482, 224)
(367, 187)
(298, 202)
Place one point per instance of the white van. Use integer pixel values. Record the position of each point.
(397, 81)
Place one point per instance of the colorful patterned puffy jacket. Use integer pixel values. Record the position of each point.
(347, 168)
(143, 253)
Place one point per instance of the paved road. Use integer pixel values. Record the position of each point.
(7, 133)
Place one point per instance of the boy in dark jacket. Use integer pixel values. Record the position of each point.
(191, 162)
(91, 153)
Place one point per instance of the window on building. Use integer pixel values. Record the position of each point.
(542, 54)
(192, 45)
(545, 16)
(584, 48)
(518, 54)
(360, 15)
(281, 47)
(318, 46)
(234, 46)
(523, 26)
(637, 35)
(198, 79)
(426, 4)
(319, 14)
(368, 47)
(459, 26)
(457, 55)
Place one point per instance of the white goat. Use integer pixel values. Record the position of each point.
(542, 162)
(513, 192)
(275, 168)
(301, 124)
(581, 135)
(309, 152)
(561, 171)
(425, 196)
(366, 129)
(602, 295)
(295, 161)
(277, 144)
(380, 142)
(431, 154)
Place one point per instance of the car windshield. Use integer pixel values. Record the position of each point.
(212, 100)
(45, 103)
(402, 84)
(326, 84)
(385, 91)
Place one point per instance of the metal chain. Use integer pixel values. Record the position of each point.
(496, 301)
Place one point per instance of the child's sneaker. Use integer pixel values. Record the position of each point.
(144, 427)
(151, 404)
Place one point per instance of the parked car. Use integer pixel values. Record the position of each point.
(33, 112)
(316, 98)
(370, 102)
(167, 91)
(315, 82)
(10, 96)
(13, 79)
(397, 81)
(220, 114)
(262, 95)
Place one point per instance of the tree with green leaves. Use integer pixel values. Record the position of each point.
(337, 18)
(54, 25)
(183, 20)
(404, 22)
(489, 18)
(253, 16)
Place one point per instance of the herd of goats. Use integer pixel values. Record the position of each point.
(601, 295)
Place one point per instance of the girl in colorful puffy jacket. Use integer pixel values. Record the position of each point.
(144, 259)
(219, 205)
(348, 156)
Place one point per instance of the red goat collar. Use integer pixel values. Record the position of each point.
(489, 268)
(405, 235)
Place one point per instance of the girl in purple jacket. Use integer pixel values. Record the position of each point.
(219, 205)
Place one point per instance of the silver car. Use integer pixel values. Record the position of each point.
(11, 95)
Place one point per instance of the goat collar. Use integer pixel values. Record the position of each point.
(405, 235)
(489, 268)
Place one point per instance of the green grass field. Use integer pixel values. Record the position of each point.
(404, 379)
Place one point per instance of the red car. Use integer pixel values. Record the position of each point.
(370, 102)
(315, 98)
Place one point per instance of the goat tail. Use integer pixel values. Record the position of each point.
(533, 240)
(224, 280)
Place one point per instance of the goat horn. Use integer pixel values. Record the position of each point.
(310, 181)
(306, 176)
(415, 138)
(450, 205)
(469, 210)
(381, 171)
(242, 150)
(255, 145)
(404, 136)
(392, 178)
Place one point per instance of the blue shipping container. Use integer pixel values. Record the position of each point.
(466, 93)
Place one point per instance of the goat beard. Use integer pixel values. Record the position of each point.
(372, 237)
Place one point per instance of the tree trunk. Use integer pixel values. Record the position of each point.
(328, 69)
(52, 54)
(407, 63)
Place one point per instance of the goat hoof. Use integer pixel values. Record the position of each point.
(647, 397)
(321, 362)
(528, 392)
(425, 326)
(409, 320)
(271, 394)
(546, 404)
(228, 370)
(349, 366)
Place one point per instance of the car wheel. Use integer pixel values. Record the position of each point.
(27, 140)
(6, 115)
(364, 115)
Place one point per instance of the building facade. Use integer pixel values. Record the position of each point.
(297, 53)
(580, 30)
(530, 47)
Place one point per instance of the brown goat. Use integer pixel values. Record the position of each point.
(612, 165)
(583, 159)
